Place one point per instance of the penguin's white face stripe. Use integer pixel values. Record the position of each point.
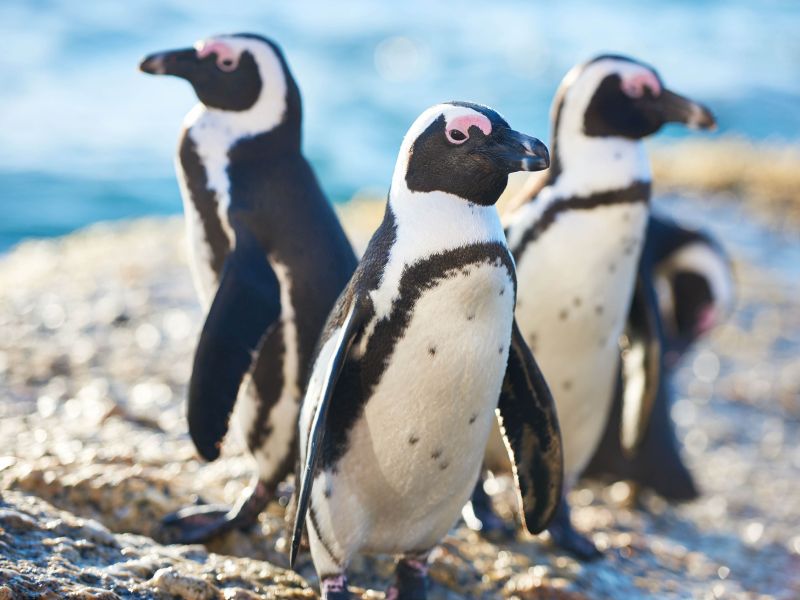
(269, 109)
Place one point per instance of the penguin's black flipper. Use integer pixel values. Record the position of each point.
(332, 352)
(641, 362)
(246, 305)
(527, 416)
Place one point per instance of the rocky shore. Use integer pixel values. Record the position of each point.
(98, 330)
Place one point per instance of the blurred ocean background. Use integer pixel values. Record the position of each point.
(85, 137)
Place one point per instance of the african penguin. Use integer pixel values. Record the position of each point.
(577, 241)
(417, 355)
(268, 255)
(693, 281)
(694, 285)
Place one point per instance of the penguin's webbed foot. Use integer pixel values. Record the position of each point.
(198, 524)
(479, 515)
(411, 579)
(566, 537)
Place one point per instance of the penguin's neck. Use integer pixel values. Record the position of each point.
(589, 170)
(427, 224)
(216, 132)
(591, 165)
(431, 222)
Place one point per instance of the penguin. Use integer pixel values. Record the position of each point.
(268, 256)
(419, 352)
(694, 281)
(577, 239)
(694, 284)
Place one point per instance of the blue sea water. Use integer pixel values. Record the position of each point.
(85, 137)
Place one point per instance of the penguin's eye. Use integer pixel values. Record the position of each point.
(226, 64)
(456, 136)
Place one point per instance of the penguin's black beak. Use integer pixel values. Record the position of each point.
(515, 151)
(674, 108)
(179, 63)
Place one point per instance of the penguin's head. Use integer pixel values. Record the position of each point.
(695, 290)
(466, 150)
(237, 73)
(617, 96)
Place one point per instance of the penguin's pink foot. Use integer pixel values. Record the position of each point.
(198, 524)
(334, 587)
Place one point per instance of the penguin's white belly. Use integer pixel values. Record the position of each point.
(415, 453)
(575, 288)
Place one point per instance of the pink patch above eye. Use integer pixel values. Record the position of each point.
(635, 85)
(462, 125)
(227, 57)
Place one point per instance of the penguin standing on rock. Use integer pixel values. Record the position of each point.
(415, 355)
(577, 242)
(268, 255)
(693, 280)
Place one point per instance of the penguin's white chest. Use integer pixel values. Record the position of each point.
(575, 286)
(417, 449)
(211, 145)
(200, 261)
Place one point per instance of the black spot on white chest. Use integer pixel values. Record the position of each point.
(429, 339)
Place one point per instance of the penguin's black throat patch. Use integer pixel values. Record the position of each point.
(237, 90)
(464, 170)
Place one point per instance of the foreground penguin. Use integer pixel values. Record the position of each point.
(268, 255)
(577, 249)
(693, 280)
(416, 353)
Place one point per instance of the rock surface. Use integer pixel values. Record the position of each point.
(98, 332)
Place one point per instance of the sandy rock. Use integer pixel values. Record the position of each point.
(169, 581)
(52, 553)
(95, 355)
